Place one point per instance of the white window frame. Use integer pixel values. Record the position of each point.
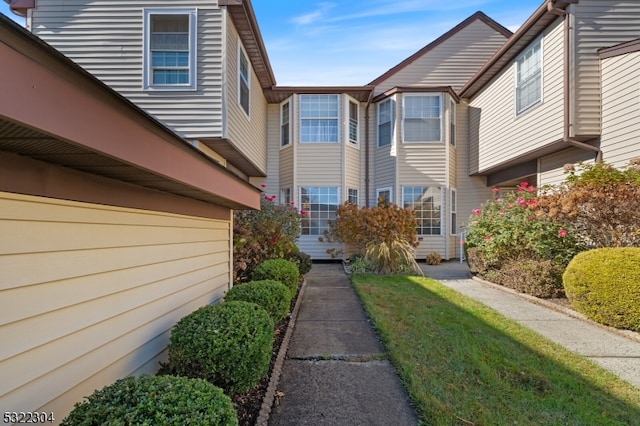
(405, 204)
(322, 216)
(353, 123)
(452, 123)
(405, 118)
(388, 189)
(352, 193)
(244, 80)
(285, 130)
(286, 195)
(301, 101)
(536, 75)
(391, 104)
(453, 211)
(147, 69)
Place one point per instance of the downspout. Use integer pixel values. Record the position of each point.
(367, 148)
(566, 138)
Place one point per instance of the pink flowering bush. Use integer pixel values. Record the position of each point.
(268, 233)
(511, 242)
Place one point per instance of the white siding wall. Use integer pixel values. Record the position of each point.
(501, 134)
(89, 293)
(106, 39)
(597, 23)
(451, 63)
(621, 108)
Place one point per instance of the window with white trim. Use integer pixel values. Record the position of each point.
(454, 216)
(318, 118)
(384, 196)
(385, 122)
(285, 128)
(529, 77)
(244, 83)
(319, 204)
(353, 122)
(426, 202)
(286, 196)
(352, 196)
(169, 59)
(421, 118)
(452, 123)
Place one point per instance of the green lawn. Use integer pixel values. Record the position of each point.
(463, 363)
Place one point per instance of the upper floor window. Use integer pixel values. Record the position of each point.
(385, 122)
(169, 60)
(318, 118)
(529, 77)
(285, 129)
(452, 123)
(426, 202)
(421, 118)
(353, 122)
(244, 70)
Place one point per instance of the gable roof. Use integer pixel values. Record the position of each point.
(531, 29)
(475, 17)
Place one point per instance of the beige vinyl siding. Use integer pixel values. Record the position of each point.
(352, 171)
(422, 163)
(273, 150)
(451, 63)
(106, 38)
(89, 294)
(501, 134)
(247, 133)
(597, 23)
(621, 108)
(319, 164)
(551, 167)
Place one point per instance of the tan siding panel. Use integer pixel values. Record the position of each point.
(503, 135)
(422, 164)
(319, 164)
(551, 167)
(352, 172)
(621, 108)
(89, 293)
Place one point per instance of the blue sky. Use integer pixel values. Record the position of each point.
(336, 43)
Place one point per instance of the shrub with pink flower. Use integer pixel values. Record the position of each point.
(507, 229)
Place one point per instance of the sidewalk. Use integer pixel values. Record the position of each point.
(334, 372)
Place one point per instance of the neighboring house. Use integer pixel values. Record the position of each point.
(113, 228)
(548, 97)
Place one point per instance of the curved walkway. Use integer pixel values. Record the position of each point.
(335, 372)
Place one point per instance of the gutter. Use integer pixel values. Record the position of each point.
(367, 148)
(566, 138)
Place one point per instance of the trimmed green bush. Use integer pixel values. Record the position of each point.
(604, 285)
(273, 296)
(228, 344)
(301, 259)
(155, 400)
(280, 270)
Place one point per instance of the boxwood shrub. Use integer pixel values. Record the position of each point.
(155, 400)
(273, 296)
(604, 285)
(280, 270)
(302, 261)
(228, 344)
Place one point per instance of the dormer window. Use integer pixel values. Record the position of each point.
(169, 49)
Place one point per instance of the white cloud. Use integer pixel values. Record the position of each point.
(312, 17)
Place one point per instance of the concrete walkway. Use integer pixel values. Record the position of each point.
(334, 373)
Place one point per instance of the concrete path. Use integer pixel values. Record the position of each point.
(334, 373)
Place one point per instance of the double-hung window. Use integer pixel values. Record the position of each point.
(384, 196)
(285, 128)
(385, 122)
(426, 202)
(422, 118)
(169, 60)
(319, 204)
(319, 118)
(452, 123)
(244, 71)
(454, 215)
(352, 196)
(529, 77)
(353, 123)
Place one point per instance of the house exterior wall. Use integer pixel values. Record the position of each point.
(621, 108)
(451, 63)
(551, 167)
(247, 132)
(597, 23)
(106, 38)
(110, 284)
(498, 131)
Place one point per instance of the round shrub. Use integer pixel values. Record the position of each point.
(273, 296)
(280, 270)
(155, 400)
(604, 285)
(228, 344)
(302, 260)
